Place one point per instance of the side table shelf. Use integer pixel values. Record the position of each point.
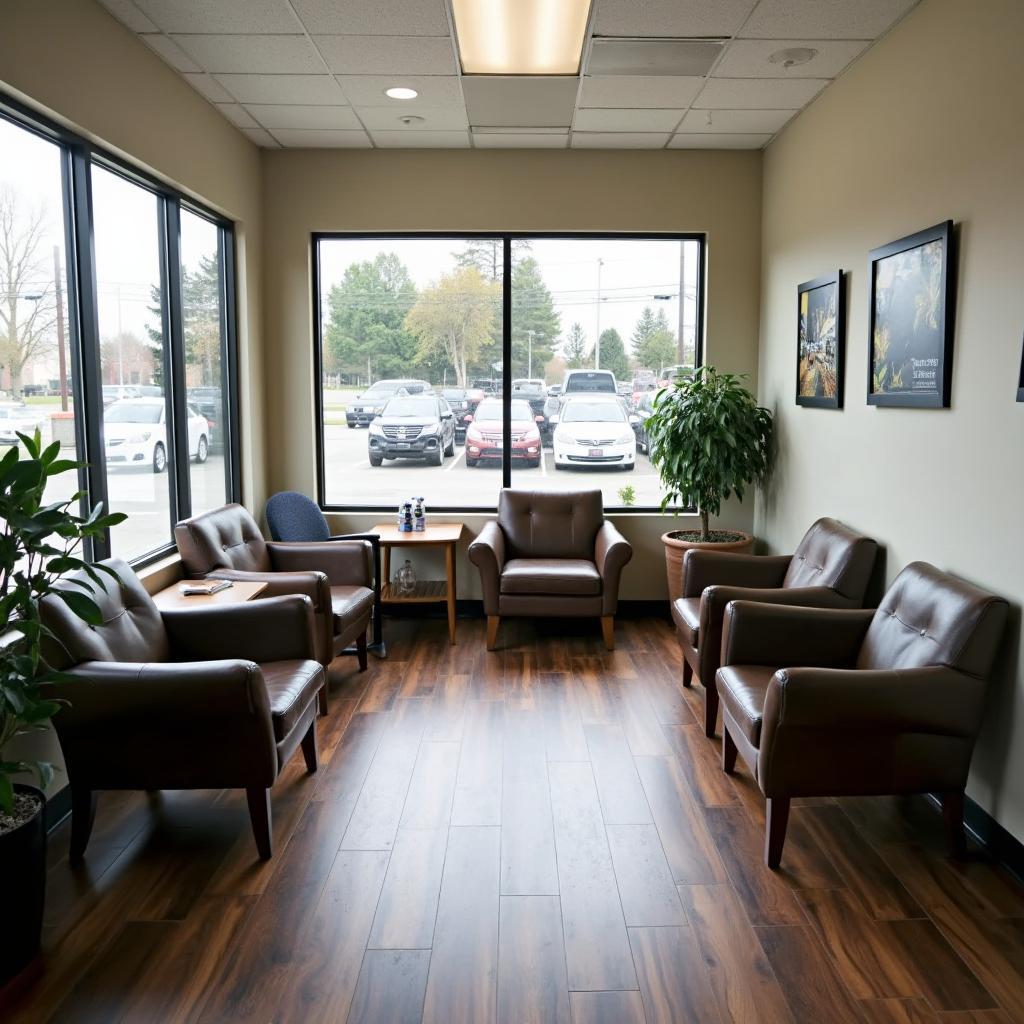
(424, 592)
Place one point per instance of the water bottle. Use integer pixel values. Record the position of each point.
(420, 515)
(405, 518)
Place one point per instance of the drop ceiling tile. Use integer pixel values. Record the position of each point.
(508, 140)
(421, 140)
(267, 55)
(735, 121)
(129, 15)
(434, 91)
(210, 88)
(619, 140)
(237, 115)
(274, 116)
(693, 140)
(312, 90)
(262, 138)
(635, 91)
(387, 55)
(171, 52)
(379, 18)
(305, 138)
(520, 101)
(749, 58)
(435, 119)
(626, 120)
(812, 19)
(670, 17)
(243, 16)
(759, 93)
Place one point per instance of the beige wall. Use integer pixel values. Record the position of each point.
(73, 61)
(925, 127)
(478, 190)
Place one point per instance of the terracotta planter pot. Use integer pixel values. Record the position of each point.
(675, 550)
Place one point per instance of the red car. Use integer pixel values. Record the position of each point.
(484, 436)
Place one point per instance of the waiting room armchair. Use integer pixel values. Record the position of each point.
(337, 576)
(550, 554)
(830, 568)
(199, 698)
(826, 702)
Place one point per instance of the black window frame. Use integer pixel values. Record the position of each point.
(506, 238)
(78, 155)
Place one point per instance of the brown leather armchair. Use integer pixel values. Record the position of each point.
(337, 576)
(550, 554)
(830, 568)
(202, 698)
(886, 701)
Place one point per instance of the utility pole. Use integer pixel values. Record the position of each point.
(682, 304)
(529, 353)
(62, 364)
(597, 344)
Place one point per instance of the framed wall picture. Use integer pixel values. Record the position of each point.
(911, 320)
(1020, 380)
(821, 342)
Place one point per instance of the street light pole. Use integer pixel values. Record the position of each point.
(682, 292)
(62, 363)
(597, 344)
(529, 353)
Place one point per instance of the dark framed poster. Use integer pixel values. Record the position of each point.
(911, 320)
(821, 342)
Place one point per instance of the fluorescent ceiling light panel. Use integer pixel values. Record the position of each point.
(520, 37)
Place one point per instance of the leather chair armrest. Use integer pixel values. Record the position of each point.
(780, 635)
(612, 552)
(702, 569)
(311, 584)
(346, 563)
(487, 553)
(275, 629)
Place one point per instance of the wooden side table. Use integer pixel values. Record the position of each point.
(444, 535)
(171, 598)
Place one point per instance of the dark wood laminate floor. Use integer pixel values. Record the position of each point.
(538, 834)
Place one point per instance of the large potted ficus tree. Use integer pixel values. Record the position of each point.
(39, 543)
(709, 439)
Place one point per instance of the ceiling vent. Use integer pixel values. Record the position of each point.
(683, 57)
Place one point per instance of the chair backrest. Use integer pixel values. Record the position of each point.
(928, 617)
(131, 630)
(550, 524)
(832, 555)
(226, 538)
(292, 516)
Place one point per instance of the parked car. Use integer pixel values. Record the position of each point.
(17, 417)
(135, 433)
(458, 399)
(535, 392)
(642, 413)
(115, 392)
(594, 430)
(33, 390)
(209, 403)
(413, 427)
(589, 382)
(485, 440)
(370, 404)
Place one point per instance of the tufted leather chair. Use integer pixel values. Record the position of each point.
(826, 702)
(198, 698)
(337, 576)
(830, 568)
(550, 554)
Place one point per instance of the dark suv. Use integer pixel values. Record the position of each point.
(458, 399)
(368, 405)
(413, 427)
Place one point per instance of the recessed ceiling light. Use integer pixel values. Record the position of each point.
(792, 57)
(520, 37)
(400, 92)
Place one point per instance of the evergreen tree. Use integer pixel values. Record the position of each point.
(575, 348)
(654, 344)
(535, 323)
(613, 354)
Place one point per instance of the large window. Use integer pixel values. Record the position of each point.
(115, 331)
(555, 396)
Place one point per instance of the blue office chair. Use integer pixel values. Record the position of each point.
(292, 516)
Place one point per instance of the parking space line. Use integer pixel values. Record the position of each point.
(360, 465)
(544, 461)
(458, 455)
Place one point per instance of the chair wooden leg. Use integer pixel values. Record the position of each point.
(710, 708)
(83, 813)
(309, 748)
(608, 631)
(361, 650)
(687, 673)
(776, 814)
(729, 751)
(259, 815)
(953, 814)
(493, 622)
(321, 698)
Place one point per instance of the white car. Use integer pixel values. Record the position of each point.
(135, 433)
(593, 430)
(15, 418)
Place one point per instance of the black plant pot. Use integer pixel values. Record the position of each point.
(23, 868)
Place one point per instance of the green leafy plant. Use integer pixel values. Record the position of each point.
(38, 545)
(627, 495)
(709, 439)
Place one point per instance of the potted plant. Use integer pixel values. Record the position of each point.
(38, 544)
(709, 439)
